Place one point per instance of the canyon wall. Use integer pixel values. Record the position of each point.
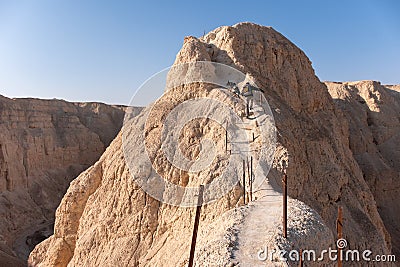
(373, 114)
(44, 145)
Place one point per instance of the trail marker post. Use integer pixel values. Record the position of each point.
(244, 182)
(301, 258)
(284, 189)
(251, 178)
(226, 138)
(248, 175)
(196, 226)
(339, 228)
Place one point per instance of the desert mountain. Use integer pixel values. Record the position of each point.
(106, 219)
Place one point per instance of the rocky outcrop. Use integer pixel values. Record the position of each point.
(322, 171)
(44, 144)
(106, 219)
(373, 114)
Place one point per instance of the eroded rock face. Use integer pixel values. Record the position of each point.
(323, 172)
(373, 114)
(106, 219)
(44, 144)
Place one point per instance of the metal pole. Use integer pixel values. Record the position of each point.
(248, 173)
(339, 226)
(244, 182)
(251, 178)
(196, 226)
(301, 258)
(226, 137)
(284, 187)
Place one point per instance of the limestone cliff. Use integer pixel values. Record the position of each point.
(44, 144)
(106, 219)
(373, 114)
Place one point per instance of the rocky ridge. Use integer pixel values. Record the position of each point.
(105, 218)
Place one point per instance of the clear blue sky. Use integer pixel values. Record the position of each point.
(103, 50)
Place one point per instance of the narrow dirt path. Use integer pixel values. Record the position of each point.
(264, 216)
(259, 227)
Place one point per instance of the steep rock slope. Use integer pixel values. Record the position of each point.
(322, 170)
(44, 144)
(105, 218)
(373, 114)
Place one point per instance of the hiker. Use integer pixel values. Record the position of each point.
(233, 88)
(247, 92)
